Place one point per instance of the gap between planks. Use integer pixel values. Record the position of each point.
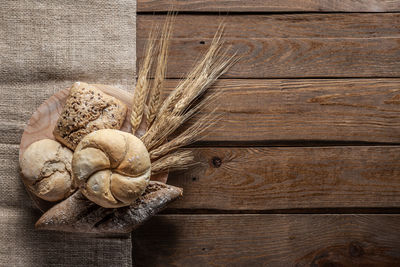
(342, 210)
(268, 6)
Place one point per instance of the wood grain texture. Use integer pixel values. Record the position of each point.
(269, 5)
(281, 110)
(277, 25)
(290, 178)
(268, 240)
(256, 110)
(287, 46)
(276, 110)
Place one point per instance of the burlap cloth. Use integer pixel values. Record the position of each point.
(44, 47)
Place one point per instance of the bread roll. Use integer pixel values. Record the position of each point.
(112, 168)
(46, 170)
(87, 109)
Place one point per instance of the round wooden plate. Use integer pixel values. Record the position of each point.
(41, 125)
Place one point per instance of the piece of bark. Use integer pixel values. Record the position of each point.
(78, 214)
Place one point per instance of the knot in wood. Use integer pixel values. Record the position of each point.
(217, 162)
(355, 249)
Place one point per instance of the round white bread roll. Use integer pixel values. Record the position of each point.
(112, 168)
(46, 170)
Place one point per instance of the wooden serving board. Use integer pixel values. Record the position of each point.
(41, 125)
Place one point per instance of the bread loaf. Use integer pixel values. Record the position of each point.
(87, 109)
(46, 170)
(112, 168)
(78, 214)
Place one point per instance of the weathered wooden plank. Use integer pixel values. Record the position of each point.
(279, 111)
(294, 58)
(336, 109)
(292, 55)
(268, 240)
(277, 26)
(291, 178)
(269, 5)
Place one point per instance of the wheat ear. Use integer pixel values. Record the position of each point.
(187, 137)
(172, 122)
(161, 68)
(175, 110)
(142, 86)
(195, 77)
(175, 161)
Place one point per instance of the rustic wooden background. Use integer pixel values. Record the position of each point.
(304, 168)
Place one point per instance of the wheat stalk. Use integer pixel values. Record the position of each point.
(163, 118)
(187, 137)
(176, 109)
(142, 86)
(159, 77)
(185, 101)
(175, 161)
(197, 75)
(173, 122)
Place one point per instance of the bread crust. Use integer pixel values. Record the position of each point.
(87, 109)
(80, 215)
(112, 168)
(46, 170)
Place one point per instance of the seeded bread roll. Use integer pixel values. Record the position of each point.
(46, 170)
(112, 168)
(87, 109)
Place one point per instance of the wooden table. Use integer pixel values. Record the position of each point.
(304, 167)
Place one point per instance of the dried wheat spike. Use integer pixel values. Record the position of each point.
(176, 109)
(175, 161)
(187, 137)
(142, 86)
(161, 68)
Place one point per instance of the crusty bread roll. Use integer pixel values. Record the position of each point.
(87, 109)
(112, 168)
(46, 170)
